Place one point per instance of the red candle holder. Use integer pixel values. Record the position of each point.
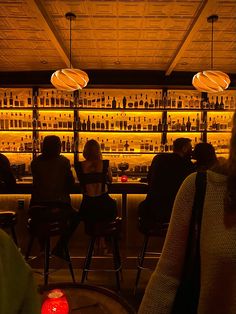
(56, 303)
(123, 178)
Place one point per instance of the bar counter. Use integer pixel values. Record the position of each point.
(127, 194)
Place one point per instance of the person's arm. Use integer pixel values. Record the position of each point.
(70, 178)
(161, 289)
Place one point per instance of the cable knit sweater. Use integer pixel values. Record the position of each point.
(18, 294)
(217, 249)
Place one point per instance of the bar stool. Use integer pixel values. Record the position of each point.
(148, 228)
(110, 230)
(44, 223)
(8, 220)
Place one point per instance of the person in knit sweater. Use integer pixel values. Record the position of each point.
(217, 244)
(18, 293)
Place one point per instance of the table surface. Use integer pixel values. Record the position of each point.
(88, 299)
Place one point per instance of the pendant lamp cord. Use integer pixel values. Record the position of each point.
(212, 44)
(70, 42)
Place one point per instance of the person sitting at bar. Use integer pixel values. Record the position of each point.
(165, 176)
(7, 179)
(217, 275)
(205, 156)
(94, 175)
(52, 183)
(18, 292)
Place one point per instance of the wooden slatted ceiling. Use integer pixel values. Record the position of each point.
(114, 34)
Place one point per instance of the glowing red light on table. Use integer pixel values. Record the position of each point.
(56, 303)
(124, 178)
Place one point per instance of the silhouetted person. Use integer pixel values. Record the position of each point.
(7, 179)
(94, 174)
(165, 176)
(52, 183)
(205, 156)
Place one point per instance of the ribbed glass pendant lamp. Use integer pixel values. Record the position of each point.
(211, 81)
(69, 79)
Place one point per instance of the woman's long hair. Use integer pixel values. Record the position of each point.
(92, 150)
(230, 197)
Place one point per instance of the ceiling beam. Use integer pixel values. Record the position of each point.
(206, 8)
(44, 20)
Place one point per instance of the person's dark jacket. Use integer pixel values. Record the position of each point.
(165, 176)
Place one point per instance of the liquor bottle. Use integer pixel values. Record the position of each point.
(98, 124)
(186, 102)
(68, 145)
(113, 103)
(89, 101)
(5, 100)
(120, 146)
(52, 99)
(124, 101)
(169, 122)
(11, 100)
(17, 102)
(196, 103)
(197, 123)
(179, 103)
(130, 103)
(227, 103)
(126, 146)
(84, 125)
(93, 124)
(113, 146)
(57, 99)
(103, 100)
(212, 103)
(146, 146)
(102, 145)
(151, 105)
(159, 127)
(222, 106)
(217, 105)
(188, 125)
(149, 125)
(146, 103)
(232, 103)
(141, 101)
(164, 100)
(173, 100)
(94, 103)
(156, 102)
(191, 102)
(168, 100)
(183, 126)
(88, 124)
(134, 125)
(98, 101)
(136, 102)
(108, 102)
(141, 146)
(178, 126)
(151, 146)
(62, 100)
(107, 122)
(102, 124)
(156, 147)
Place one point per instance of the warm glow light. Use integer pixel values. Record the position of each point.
(211, 81)
(56, 303)
(69, 79)
(123, 178)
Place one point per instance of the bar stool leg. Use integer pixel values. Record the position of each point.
(46, 260)
(116, 261)
(140, 261)
(69, 263)
(88, 258)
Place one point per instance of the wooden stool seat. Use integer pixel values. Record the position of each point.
(44, 223)
(8, 220)
(111, 231)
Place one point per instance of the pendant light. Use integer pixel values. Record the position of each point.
(69, 79)
(211, 81)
